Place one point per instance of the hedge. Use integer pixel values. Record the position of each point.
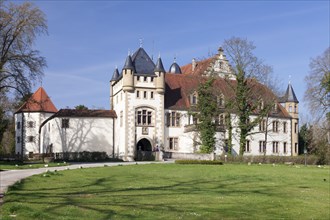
(207, 162)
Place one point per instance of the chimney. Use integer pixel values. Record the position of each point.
(193, 64)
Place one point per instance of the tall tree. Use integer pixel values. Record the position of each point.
(246, 67)
(318, 85)
(20, 63)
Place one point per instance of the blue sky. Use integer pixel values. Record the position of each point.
(87, 39)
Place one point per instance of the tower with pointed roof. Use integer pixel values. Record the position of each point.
(290, 103)
(28, 118)
(137, 96)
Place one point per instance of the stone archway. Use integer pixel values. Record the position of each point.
(144, 145)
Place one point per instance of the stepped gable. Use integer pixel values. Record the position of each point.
(179, 88)
(86, 113)
(38, 102)
(142, 63)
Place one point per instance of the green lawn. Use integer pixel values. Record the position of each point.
(172, 191)
(4, 165)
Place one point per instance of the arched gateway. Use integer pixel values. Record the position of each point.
(144, 145)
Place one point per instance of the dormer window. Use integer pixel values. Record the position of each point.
(221, 101)
(261, 104)
(275, 107)
(193, 99)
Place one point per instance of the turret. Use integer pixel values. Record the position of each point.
(160, 79)
(128, 79)
(290, 102)
(115, 77)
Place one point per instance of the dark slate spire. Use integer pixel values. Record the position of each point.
(159, 66)
(129, 63)
(143, 64)
(290, 96)
(115, 75)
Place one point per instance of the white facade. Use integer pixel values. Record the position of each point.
(80, 134)
(27, 131)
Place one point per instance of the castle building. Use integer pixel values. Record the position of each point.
(150, 109)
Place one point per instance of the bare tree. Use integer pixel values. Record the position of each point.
(318, 85)
(20, 64)
(246, 67)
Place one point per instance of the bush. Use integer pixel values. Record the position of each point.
(310, 159)
(208, 162)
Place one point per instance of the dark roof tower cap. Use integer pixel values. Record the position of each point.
(129, 63)
(115, 75)
(290, 96)
(159, 66)
(175, 68)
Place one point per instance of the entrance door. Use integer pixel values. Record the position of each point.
(144, 145)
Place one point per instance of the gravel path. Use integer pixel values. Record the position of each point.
(10, 177)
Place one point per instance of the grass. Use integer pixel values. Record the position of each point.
(14, 165)
(172, 191)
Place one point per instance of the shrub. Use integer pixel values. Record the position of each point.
(208, 162)
(310, 159)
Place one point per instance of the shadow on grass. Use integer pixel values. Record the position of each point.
(144, 195)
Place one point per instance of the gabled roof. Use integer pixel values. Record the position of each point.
(86, 113)
(289, 96)
(200, 68)
(38, 102)
(142, 63)
(179, 88)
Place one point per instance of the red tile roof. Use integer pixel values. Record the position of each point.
(200, 67)
(179, 88)
(38, 102)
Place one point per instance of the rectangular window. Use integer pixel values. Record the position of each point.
(275, 126)
(65, 123)
(151, 95)
(275, 146)
(18, 139)
(30, 139)
(144, 94)
(137, 94)
(285, 150)
(173, 143)
(30, 124)
(262, 146)
(18, 125)
(284, 127)
(195, 120)
(247, 146)
(144, 117)
(174, 119)
(262, 125)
